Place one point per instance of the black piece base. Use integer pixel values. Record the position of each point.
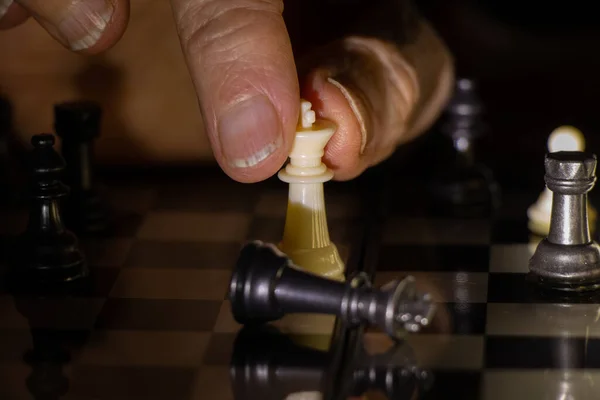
(86, 214)
(46, 263)
(468, 192)
(30, 281)
(247, 271)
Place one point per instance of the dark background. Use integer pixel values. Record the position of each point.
(537, 66)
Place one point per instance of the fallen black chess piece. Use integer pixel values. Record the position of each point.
(266, 285)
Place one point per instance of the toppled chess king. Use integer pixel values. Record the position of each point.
(266, 285)
(568, 259)
(305, 274)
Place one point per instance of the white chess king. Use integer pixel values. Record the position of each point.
(306, 235)
(564, 138)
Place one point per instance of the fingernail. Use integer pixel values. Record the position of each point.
(356, 110)
(4, 4)
(84, 25)
(250, 132)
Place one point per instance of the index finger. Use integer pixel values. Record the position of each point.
(241, 62)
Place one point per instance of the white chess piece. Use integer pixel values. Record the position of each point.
(306, 235)
(564, 138)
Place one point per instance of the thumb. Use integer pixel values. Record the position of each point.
(241, 62)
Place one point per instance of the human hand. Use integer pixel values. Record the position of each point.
(239, 52)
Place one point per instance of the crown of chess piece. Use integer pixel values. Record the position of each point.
(563, 138)
(267, 364)
(78, 123)
(568, 259)
(47, 253)
(306, 235)
(464, 112)
(266, 285)
(460, 184)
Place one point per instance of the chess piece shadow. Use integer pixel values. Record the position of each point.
(47, 359)
(54, 342)
(267, 364)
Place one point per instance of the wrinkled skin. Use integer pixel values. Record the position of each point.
(251, 61)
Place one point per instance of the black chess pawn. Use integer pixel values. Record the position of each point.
(461, 184)
(78, 125)
(47, 253)
(464, 114)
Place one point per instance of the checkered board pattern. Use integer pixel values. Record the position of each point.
(495, 335)
(157, 324)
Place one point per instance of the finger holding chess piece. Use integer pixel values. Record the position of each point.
(306, 234)
(305, 238)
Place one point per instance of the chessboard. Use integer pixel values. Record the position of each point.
(496, 335)
(155, 322)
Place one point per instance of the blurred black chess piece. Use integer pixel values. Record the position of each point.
(46, 255)
(461, 184)
(78, 125)
(266, 364)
